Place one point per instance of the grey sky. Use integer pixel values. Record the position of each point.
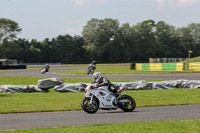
(40, 19)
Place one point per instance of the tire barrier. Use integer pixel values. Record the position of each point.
(59, 86)
(19, 88)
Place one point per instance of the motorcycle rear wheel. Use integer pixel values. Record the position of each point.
(89, 108)
(128, 106)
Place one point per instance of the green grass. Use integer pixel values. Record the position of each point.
(79, 65)
(54, 101)
(195, 59)
(146, 98)
(39, 102)
(124, 70)
(15, 80)
(182, 126)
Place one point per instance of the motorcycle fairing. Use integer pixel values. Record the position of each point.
(105, 97)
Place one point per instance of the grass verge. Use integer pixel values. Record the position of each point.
(182, 126)
(79, 65)
(124, 70)
(54, 101)
(15, 80)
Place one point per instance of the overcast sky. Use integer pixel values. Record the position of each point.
(40, 19)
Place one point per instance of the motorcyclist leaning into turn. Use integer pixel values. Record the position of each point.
(102, 81)
(46, 67)
(91, 66)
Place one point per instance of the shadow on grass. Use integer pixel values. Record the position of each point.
(3, 95)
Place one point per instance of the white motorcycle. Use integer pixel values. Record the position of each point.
(102, 98)
(44, 70)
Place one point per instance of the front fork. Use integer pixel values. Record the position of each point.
(91, 100)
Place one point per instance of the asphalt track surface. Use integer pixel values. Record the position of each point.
(69, 118)
(52, 73)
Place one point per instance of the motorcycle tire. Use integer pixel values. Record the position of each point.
(42, 72)
(90, 108)
(129, 106)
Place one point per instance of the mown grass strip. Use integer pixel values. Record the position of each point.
(182, 126)
(15, 80)
(124, 70)
(54, 101)
(79, 65)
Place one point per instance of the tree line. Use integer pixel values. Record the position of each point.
(102, 40)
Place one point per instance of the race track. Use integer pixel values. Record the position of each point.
(52, 73)
(68, 118)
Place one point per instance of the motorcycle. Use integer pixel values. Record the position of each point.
(102, 98)
(44, 70)
(91, 69)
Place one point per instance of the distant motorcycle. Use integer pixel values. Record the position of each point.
(91, 69)
(44, 69)
(101, 98)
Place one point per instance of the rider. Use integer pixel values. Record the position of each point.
(92, 65)
(46, 67)
(102, 81)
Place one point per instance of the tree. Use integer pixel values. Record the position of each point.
(78, 52)
(98, 35)
(124, 49)
(144, 34)
(8, 29)
(167, 43)
(190, 39)
(35, 51)
(195, 32)
(48, 51)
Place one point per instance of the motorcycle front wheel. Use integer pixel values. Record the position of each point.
(129, 105)
(89, 108)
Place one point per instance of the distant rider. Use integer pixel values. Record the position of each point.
(102, 81)
(91, 66)
(46, 67)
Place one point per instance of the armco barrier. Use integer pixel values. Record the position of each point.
(160, 66)
(138, 66)
(155, 66)
(145, 66)
(179, 66)
(169, 66)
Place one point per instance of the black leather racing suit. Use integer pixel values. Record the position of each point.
(105, 82)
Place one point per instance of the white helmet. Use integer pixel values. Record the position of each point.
(96, 76)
